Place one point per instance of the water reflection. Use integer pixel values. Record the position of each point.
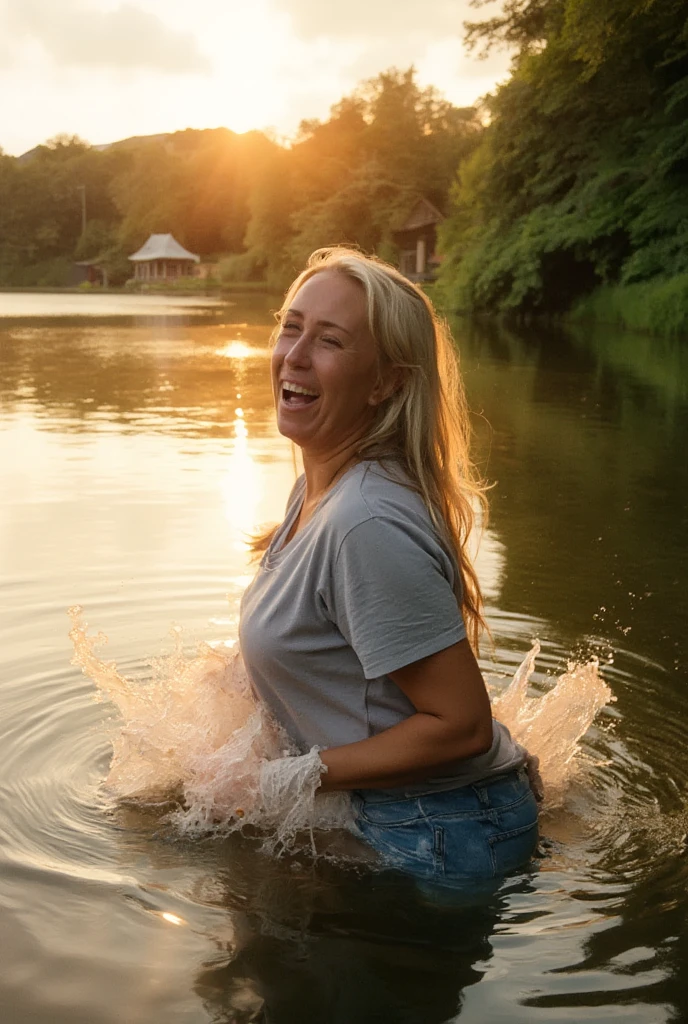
(55, 307)
(592, 492)
(326, 967)
(134, 457)
(241, 487)
(177, 380)
(325, 943)
(238, 349)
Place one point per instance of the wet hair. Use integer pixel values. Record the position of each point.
(423, 426)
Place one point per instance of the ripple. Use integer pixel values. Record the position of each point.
(618, 835)
(625, 814)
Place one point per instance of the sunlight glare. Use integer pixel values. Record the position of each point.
(241, 486)
(171, 918)
(237, 350)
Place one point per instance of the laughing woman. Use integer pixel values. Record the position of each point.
(359, 629)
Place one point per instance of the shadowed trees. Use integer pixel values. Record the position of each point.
(581, 178)
(263, 205)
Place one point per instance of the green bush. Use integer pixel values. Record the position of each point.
(54, 273)
(179, 285)
(658, 307)
(239, 267)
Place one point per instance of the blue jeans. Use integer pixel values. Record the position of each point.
(472, 833)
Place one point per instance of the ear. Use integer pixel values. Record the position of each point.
(388, 383)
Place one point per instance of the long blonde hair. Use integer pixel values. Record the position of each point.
(424, 426)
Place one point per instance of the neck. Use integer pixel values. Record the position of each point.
(323, 469)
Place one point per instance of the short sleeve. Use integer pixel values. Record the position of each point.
(392, 597)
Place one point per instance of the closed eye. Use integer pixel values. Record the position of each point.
(332, 341)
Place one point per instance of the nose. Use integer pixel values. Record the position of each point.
(298, 351)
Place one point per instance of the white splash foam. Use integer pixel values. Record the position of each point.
(194, 735)
(551, 725)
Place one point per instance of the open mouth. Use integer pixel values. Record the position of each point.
(295, 396)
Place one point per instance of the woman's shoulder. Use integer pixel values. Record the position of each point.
(376, 490)
(377, 515)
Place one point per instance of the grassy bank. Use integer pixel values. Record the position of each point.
(655, 307)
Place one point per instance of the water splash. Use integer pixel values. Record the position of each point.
(193, 737)
(551, 725)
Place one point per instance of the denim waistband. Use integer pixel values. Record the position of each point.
(405, 793)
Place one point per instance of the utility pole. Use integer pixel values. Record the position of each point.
(82, 189)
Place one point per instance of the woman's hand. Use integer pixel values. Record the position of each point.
(534, 778)
(453, 721)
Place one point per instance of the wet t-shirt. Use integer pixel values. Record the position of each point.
(365, 588)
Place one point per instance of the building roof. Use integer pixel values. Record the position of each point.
(163, 247)
(422, 215)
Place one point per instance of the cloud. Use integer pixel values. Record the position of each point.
(108, 69)
(385, 33)
(377, 19)
(84, 33)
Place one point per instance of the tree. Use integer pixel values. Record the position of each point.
(353, 177)
(580, 178)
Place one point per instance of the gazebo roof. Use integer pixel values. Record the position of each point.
(163, 247)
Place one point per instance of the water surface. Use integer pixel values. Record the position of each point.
(137, 447)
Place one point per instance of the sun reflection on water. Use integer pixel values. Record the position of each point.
(241, 484)
(171, 918)
(238, 349)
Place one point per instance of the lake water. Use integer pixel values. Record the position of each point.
(137, 447)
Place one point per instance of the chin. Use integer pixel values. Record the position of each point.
(291, 432)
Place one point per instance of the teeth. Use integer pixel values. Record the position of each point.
(298, 390)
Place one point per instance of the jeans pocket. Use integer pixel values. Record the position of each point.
(400, 833)
(388, 813)
(513, 849)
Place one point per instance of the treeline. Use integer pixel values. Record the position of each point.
(576, 198)
(195, 184)
(572, 200)
(259, 205)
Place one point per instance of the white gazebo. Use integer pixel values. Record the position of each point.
(163, 258)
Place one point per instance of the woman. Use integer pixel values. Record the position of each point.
(357, 630)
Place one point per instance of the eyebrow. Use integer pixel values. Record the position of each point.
(321, 323)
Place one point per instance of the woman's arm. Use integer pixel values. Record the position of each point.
(452, 721)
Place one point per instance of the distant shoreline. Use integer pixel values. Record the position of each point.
(212, 292)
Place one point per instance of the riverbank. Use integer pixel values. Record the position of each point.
(658, 308)
(653, 307)
(212, 290)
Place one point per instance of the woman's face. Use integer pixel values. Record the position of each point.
(324, 366)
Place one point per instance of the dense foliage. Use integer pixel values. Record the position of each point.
(355, 177)
(195, 184)
(573, 199)
(581, 178)
(261, 205)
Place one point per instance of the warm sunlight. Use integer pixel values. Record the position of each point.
(238, 350)
(241, 484)
(242, 588)
(107, 72)
(171, 918)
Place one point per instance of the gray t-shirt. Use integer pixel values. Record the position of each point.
(363, 589)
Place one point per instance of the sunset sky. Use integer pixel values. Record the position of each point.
(106, 69)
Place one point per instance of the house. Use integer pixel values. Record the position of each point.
(91, 271)
(417, 241)
(163, 258)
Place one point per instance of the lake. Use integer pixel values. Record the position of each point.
(137, 450)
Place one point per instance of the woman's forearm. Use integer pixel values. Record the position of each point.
(409, 752)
